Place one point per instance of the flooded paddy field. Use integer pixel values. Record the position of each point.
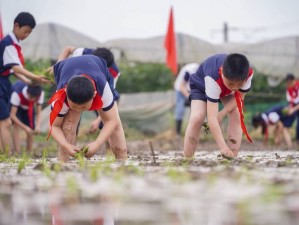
(158, 187)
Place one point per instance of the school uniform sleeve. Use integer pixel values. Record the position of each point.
(15, 99)
(10, 57)
(212, 89)
(107, 98)
(187, 77)
(273, 117)
(78, 52)
(41, 99)
(63, 110)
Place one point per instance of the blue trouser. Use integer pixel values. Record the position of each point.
(180, 105)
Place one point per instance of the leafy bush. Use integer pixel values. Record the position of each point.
(144, 77)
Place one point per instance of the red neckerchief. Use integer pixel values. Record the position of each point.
(30, 113)
(241, 107)
(20, 55)
(60, 96)
(293, 92)
(113, 72)
(30, 110)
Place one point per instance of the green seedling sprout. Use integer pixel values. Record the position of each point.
(178, 176)
(23, 162)
(72, 185)
(80, 156)
(81, 153)
(49, 76)
(93, 172)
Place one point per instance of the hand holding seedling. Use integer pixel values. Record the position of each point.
(42, 79)
(50, 70)
(92, 149)
(49, 75)
(81, 153)
(71, 149)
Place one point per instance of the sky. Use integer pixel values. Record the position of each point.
(249, 21)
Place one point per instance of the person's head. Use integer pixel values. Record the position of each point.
(290, 79)
(105, 54)
(34, 91)
(80, 93)
(24, 23)
(257, 121)
(235, 71)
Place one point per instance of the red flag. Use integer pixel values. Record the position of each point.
(1, 29)
(170, 46)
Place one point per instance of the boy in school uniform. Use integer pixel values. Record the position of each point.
(104, 53)
(84, 83)
(220, 78)
(22, 113)
(12, 62)
(276, 116)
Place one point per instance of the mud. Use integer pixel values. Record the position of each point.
(156, 185)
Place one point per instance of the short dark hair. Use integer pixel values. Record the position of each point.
(105, 54)
(257, 121)
(25, 19)
(80, 89)
(235, 67)
(34, 90)
(290, 77)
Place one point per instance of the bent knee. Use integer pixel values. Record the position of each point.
(196, 120)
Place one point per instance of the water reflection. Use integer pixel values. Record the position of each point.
(207, 191)
(77, 208)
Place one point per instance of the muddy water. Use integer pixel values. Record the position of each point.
(257, 188)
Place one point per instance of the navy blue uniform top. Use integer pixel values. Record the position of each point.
(10, 55)
(91, 66)
(207, 81)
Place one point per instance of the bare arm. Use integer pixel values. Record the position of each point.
(110, 119)
(59, 137)
(15, 119)
(229, 106)
(95, 124)
(66, 52)
(20, 70)
(212, 112)
(22, 78)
